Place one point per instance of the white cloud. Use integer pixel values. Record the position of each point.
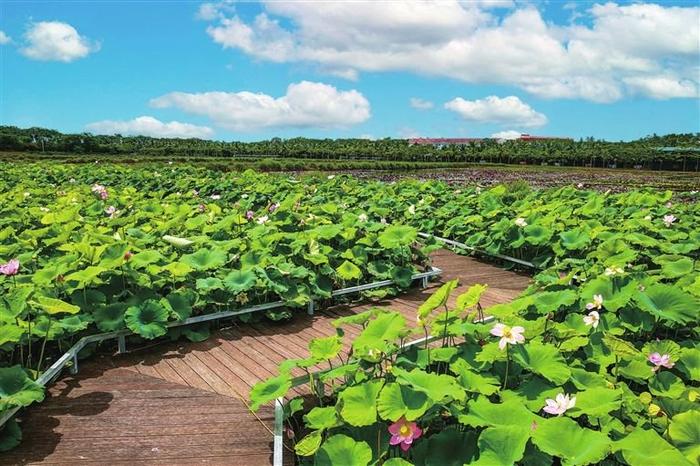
(4, 38)
(473, 42)
(663, 87)
(306, 104)
(420, 104)
(149, 126)
(56, 41)
(506, 135)
(493, 109)
(210, 11)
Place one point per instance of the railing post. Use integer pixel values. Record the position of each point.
(310, 308)
(424, 283)
(121, 344)
(74, 366)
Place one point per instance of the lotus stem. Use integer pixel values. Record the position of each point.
(43, 347)
(505, 379)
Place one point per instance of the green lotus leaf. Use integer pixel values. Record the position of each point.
(357, 319)
(309, 444)
(575, 239)
(269, 390)
(396, 236)
(10, 435)
(536, 234)
(148, 320)
(111, 317)
(178, 269)
(684, 432)
(397, 400)
(181, 303)
(502, 446)
(10, 333)
(322, 418)
(666, 383)
(358, 404)
(473, 381)
(471, 297)
(349, 271)
(596, 402)
(16, 299)
(689, 363)
(543, 359)
(384, 328)
(614, 296)
(205, 259)
(326, 348)
(209, 283)
(238, 281)
(552, 301)
(483, 413)
(327, 232)
(397, 462)
(341, 449)
(450, 447)
(86, 277)
(644, 447)
(402, 276)
(437, 299)
(145, 258)
(436, 386)
(674, 266)
(620, 348)
(55, 306)
(668, 303)
(17, 389)
(573, 444)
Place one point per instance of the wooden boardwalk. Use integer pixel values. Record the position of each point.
(180, 403)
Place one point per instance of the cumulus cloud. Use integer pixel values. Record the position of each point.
(149, 126)
(493, 109)
(506, 135)
(56, 41)
(663, 87)
(592, 58)
(4, 38)
(305, 104)
(420, 104)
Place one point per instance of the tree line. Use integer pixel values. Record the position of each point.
(671, 151)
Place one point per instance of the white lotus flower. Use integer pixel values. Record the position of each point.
(614, 270)
(560, 405)
(520, 222)
(597, 302)
(592, 319)
(362, 217)
(509, 335)
(669, 219)
(262, 220)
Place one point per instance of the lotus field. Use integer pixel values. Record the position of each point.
(598, 362)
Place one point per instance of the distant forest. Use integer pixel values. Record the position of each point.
(671, 151)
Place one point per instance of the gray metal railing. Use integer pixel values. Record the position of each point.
(72, 354)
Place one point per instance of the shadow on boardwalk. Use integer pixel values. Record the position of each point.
(180, 403)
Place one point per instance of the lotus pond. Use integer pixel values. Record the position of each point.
(598, 361)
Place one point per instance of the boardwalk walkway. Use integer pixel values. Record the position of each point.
(179, 403)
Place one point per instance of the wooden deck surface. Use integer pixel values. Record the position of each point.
(180, 403)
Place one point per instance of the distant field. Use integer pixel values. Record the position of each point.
(601, 179)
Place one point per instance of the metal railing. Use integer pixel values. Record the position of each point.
(72, 354)
(480, 251)
(278, 444)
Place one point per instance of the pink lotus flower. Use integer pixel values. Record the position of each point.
(10, 269)
(273, 207)
(560, 405)
(201, 207)
(403, 433)
(597, 302)
(104, 195)
(660, 361)
(509, 335)
(669, 219)
(111, 211)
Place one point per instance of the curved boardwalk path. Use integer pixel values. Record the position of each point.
(179, 403)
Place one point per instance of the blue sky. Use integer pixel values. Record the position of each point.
(249, 71)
